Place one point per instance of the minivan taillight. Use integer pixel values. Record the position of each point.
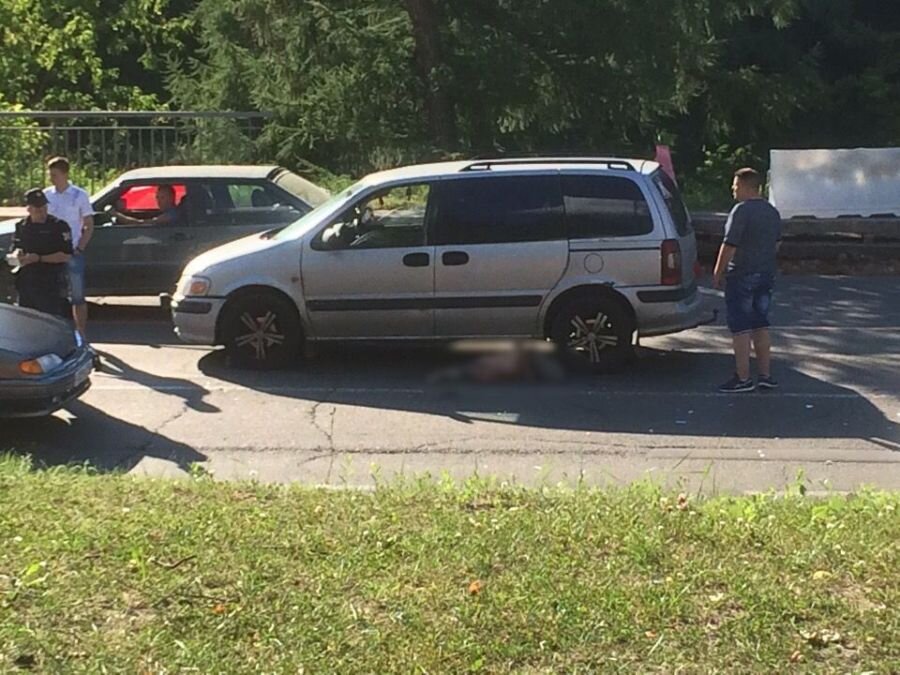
(671, 263)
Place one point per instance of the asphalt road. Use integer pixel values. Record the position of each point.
(356, 415)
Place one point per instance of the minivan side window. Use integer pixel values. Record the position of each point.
(605, 206)
(390, 218)
(500, 210)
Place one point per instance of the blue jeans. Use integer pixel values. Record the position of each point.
(76, 279)
(747, 301)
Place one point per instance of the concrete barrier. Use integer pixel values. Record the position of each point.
(869, 229)
(9, 212)
(826, 246)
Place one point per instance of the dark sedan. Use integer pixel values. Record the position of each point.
(44, 364)
(214, 204)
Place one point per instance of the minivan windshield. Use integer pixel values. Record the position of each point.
(320, 213)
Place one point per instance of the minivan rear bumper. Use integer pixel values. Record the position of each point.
(663, 311)
(668, 295)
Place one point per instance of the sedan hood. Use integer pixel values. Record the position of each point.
(27, 334)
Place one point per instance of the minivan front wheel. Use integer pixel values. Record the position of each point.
(593, 335)
(261, 331)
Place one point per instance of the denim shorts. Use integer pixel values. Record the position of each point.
(76, 279)
(747, 301)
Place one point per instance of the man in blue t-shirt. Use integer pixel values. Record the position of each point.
(747, 263)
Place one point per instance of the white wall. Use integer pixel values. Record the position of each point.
(834, 183)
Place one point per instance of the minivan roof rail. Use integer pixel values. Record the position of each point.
(486, 164)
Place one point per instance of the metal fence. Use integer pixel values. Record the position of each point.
(101, 144)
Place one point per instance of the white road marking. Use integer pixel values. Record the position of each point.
(781, 329)
(229, 388)
(509, 418)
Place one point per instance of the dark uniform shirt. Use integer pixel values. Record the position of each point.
(42, 285)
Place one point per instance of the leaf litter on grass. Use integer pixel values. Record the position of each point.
(386, 581)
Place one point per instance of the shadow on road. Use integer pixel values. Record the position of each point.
(55, 441)
(145, 325)
(120, 312)
(192, 393)
(103, 440)
(663, 393)
(839, 302)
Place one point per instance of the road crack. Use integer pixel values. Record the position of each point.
(145, 449)
(326, 430)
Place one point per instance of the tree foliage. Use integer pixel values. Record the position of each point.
(358, 84)
(85, 54)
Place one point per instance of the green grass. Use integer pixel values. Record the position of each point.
(105, 573)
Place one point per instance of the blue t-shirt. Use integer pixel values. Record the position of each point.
(754, 228)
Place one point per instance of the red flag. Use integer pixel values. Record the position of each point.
(664, 158)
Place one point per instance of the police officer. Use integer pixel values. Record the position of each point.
(43, 246)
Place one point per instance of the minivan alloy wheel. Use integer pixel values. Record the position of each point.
(263, 334)
(592, 335)
(261, 330)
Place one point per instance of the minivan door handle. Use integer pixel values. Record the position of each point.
(180, 236)
(417, 260)
(455, 258)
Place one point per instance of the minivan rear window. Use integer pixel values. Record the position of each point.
(672, 196)
(605, 206)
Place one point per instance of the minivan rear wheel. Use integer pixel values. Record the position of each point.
(593, 335)
(261, 331)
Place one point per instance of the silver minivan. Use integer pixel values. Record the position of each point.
(590, 253)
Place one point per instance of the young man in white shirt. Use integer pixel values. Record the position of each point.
(72, 204)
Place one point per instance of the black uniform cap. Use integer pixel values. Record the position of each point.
(35, 197)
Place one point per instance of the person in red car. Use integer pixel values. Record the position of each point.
(168, 210)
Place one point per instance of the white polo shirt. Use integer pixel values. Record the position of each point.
(70, 205)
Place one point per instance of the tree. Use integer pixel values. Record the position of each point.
(83, 54)
(820, 74)
(337, 75)
(359, 84)
(429, 66)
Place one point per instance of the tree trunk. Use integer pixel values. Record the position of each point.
(428, 60)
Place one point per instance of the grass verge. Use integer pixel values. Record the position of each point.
(104, 573)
